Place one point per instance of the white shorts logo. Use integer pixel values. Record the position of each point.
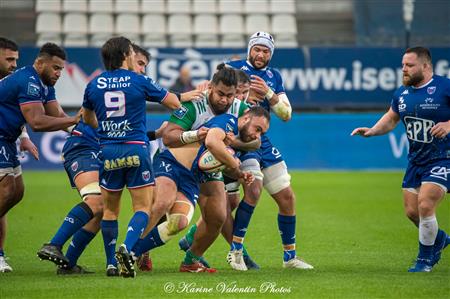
(418, 129)
(440, 172)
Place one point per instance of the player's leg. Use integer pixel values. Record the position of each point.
(277, 184)
(87, 184)
(11, 192)
(411, 204)
(78, 216)
(178, 218)
(244, 213)
(430, 195)
(214, 215)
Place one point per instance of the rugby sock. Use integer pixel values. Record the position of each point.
(79, 242)
(137, 225)
(190, 258)
(286, 225)
(241, 220)
(2, 253)
(76, 219)
(110, 231)
(190, 234)
(152, 240)
(428, 231)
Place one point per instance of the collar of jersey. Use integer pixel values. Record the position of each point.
(422, 86)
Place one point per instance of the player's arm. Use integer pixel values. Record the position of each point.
(89, 117)
(53, 108)
(279, 103)
(173, 100)
(175, 135)
(214, 142)
(26, 145)
(34, 114)
(246, 146)
(384, 125)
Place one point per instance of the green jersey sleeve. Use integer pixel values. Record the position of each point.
(184, 116)
(242, 108)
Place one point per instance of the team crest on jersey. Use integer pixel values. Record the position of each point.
(33, 89)
(405, 92)
(431, 89)
(269, 73)
(74, 166)
(180, 113)
(146, 175)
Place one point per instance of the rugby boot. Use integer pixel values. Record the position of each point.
(196, 267)
(125, 261)
(53, 254)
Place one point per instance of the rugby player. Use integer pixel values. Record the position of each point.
(28, 96)
(423, 106)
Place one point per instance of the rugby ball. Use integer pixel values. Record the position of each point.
(208, 163)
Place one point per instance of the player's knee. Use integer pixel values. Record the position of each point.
(252, 193)
(95, 203)
(426, 207)
(91, 195)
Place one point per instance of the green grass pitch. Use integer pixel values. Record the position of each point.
(350, 226)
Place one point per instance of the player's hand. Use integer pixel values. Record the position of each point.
(204, 85)
(229, 138)
(365, 132)
(253, 98)
(259, 86)
(201, 133)
(441, 130)
(160, 130)
(78, 116)
(26, 145)
(191, 95)
(247, 177)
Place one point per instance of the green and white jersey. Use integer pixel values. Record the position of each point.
(192, 115)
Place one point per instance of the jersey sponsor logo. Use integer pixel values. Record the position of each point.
(129, 161)
(229, 128)
(180, 113)
(113, 82)
(33, 89)
(276, 152)
(440, 172)
(431, 89)
(405, 92)
(115, 129)
(401, 104)
(146, 175)
(418, 129)
(429, 104)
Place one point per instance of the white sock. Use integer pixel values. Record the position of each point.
(428, 229)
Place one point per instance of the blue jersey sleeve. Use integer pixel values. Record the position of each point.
(226, 122)
(153, 91)
(86, 100)
(279, 86)
(395, 102)
(29, 91)
(51, 95)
